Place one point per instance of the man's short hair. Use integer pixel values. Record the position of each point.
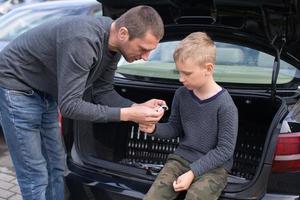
(139, 20)
(197, 46)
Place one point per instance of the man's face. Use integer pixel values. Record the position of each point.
(191, 74)
(138, 48)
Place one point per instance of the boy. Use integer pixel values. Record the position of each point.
(205, 118)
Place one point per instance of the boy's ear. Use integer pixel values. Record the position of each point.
(209, 67)
(123, 34)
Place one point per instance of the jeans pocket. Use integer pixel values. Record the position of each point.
(22, 92)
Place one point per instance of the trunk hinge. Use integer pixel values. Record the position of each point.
(277, 42)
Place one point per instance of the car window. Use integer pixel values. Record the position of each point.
(234, 64)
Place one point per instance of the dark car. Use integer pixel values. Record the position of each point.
(258, 61)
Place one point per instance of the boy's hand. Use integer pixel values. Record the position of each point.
(147, 128)
(150, 127)
(184, 181)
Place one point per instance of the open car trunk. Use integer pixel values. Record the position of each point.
(142, 156)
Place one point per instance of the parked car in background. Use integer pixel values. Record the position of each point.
(7, 5)
(258, 61)
(23, 18)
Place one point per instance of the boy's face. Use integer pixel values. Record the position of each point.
(192, 75)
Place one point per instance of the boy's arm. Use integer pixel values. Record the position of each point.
(228, 128)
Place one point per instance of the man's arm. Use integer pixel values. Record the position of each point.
(75, 57)
(73, 68)
(106, 95)
(103, 88)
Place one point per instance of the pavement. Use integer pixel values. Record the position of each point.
(9, 188)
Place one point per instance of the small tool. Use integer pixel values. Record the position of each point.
(164, 106)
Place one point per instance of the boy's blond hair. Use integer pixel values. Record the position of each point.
(198, 46)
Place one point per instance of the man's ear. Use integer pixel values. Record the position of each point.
(123, 34)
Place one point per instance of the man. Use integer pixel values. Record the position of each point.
(54, 64)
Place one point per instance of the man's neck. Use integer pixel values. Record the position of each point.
(112, 43)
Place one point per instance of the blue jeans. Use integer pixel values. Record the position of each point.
(31, 129)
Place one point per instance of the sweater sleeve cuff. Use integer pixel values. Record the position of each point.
(156, 130)
(113, 114)
(194, 169)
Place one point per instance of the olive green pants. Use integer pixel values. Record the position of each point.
(205, 187)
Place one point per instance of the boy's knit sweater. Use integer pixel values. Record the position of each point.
(207, 129)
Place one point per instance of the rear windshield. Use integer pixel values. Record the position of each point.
(234, 64)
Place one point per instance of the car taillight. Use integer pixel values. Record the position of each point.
(287, 155)
(60, 122)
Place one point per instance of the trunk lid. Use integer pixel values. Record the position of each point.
(275, 22)
(269, 25)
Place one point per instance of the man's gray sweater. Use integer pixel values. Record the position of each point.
(207, 129)
(62, 58)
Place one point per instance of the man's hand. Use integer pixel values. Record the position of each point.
(141, 114)
(184, 181)
(152, 103)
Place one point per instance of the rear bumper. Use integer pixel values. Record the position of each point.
(84, 184)
(81, 183)
(80, 187)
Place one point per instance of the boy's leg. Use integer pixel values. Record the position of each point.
(21, 113)
(208, 186)
(162, 188)
(53, 150)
